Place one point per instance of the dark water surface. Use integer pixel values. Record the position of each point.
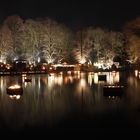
(71, 104)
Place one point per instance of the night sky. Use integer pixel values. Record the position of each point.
(75, 14)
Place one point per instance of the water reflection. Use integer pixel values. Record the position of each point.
(112, 77)
(49, 99)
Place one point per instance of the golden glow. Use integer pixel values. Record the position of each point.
(58, 80)
(83, 83)
(136, 73)
(25, 83)
(96, 78)
(17, 97)
(50, 68)
(90, 79)
(52, 74)
(14, 87)
(69, 72)
(61, 73)
(24, 75)
(113, 77)
(76, 72)
(82, 74)
(43, 68)
(82, 61)
(50, 80)
(68, 79)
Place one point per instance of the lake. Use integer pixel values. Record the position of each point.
(71, 103)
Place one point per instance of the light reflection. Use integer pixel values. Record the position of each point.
(112, 77)
(17, 97)
(96, 78)
(82, 74)
(25, 84)
(58, 80)
(2, 84)
(14, 87)
(68, 79)
(69, 72)
(90, 78)
(50, 81)
(83, 83)
(136, 73)
(55, 103)
(81, 87)
(39, 83)
(113, 98)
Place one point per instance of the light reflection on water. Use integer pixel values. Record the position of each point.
(50, 98)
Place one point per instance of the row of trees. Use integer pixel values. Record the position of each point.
(45, 39)
(33, 40)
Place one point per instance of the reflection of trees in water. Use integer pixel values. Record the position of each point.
(83, 95)
(47, 104)
(133, 91)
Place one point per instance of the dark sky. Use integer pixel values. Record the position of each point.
(111, 14)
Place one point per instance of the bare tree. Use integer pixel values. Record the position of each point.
(132, 33)
(31, 40)
(117, 45)
(15, 24)
(56, 41)
(82, 45)
(6, 43)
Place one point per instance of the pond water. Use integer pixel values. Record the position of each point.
(71, 102)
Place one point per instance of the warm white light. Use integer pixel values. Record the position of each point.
(58, 80)
(14, 87)
(15, 97)
(18, 97)
(49, 60)
(38, 60)
(83, 83)
(96, 78)
(68, 72)
(90, 77)
(136, 73)
(82, 61)
(113, 77)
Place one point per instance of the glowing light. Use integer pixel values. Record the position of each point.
(25, 83)
(14, 87)
(50, 68)
(8, 66)
(96, 78)
(113, 77)
(68, 79)
(77, 72)
(104, 65)
(58, 80)
(43, 68)
(15, 97)
(82, 74)
(82, 61)
(83, 83)
(61, 73)
(136, 73)
(68, 72)
(50, 60)
(90, 77)
(50, 80)
(99, 65)
(38, 60)
(51, 74)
